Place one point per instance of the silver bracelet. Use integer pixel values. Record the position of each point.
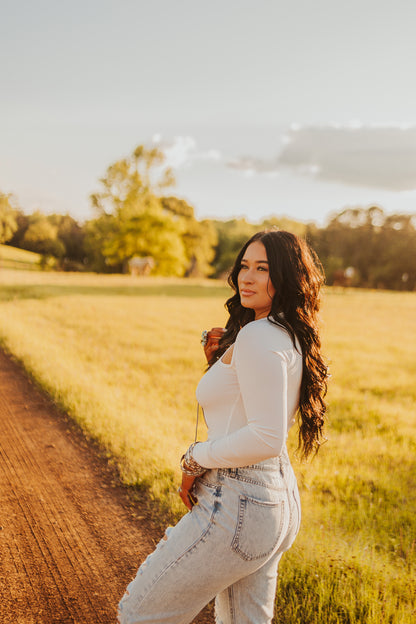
(188, 464)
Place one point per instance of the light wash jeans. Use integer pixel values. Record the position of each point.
(227, 547)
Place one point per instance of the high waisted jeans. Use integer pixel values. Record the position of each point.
(227, 547)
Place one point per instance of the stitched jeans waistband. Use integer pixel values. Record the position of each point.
(280, 464)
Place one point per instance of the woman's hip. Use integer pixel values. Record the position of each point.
(275, 474)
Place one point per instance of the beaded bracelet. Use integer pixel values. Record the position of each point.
(188, 464)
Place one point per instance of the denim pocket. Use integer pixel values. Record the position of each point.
(259, 527)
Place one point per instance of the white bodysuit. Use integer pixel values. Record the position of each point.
(250, 404)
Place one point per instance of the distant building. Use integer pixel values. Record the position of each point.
(140, 266)
(343, 277)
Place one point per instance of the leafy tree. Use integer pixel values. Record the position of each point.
(22, 222)
(8, 212)
(132, 219)
(41, 236)
(284, 223)
(131, 180)
(396, 268)
(96, 232)
(178, 207)
(71, 235)
(234, 233)
(149, 232)
(54, 235)
(143, 230)
(379, 249)
(199, 237)
(231, 237)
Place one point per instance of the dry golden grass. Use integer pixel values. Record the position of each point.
(123, 357)
(13, 258)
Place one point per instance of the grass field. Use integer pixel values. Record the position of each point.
(13, 258)
(123, 357)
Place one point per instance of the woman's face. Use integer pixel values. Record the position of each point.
(254, 283)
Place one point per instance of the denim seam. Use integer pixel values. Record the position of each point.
(231, 602)
(255, 482)
(187, 551)
(208, 484)
(298, 510)
(250, 467)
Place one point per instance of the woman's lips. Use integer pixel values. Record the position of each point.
(247, 293)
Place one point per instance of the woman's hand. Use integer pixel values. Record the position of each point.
(213, 337)
(185, 491)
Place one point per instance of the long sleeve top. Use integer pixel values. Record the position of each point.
(250, 404)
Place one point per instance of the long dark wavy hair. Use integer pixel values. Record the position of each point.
(297, 276)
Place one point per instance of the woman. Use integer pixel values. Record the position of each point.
(239, 486)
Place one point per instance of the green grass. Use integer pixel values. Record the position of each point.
(13, 258)
(123, 357)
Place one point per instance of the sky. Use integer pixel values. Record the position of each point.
(262, 107)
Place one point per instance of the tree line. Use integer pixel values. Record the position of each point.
(136, 216)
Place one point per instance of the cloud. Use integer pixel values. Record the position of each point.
(382, 157)
(183, 151)
(251, 166)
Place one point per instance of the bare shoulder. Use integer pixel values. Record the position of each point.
(228, 355)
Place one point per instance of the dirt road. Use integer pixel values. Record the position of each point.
(71, 537)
